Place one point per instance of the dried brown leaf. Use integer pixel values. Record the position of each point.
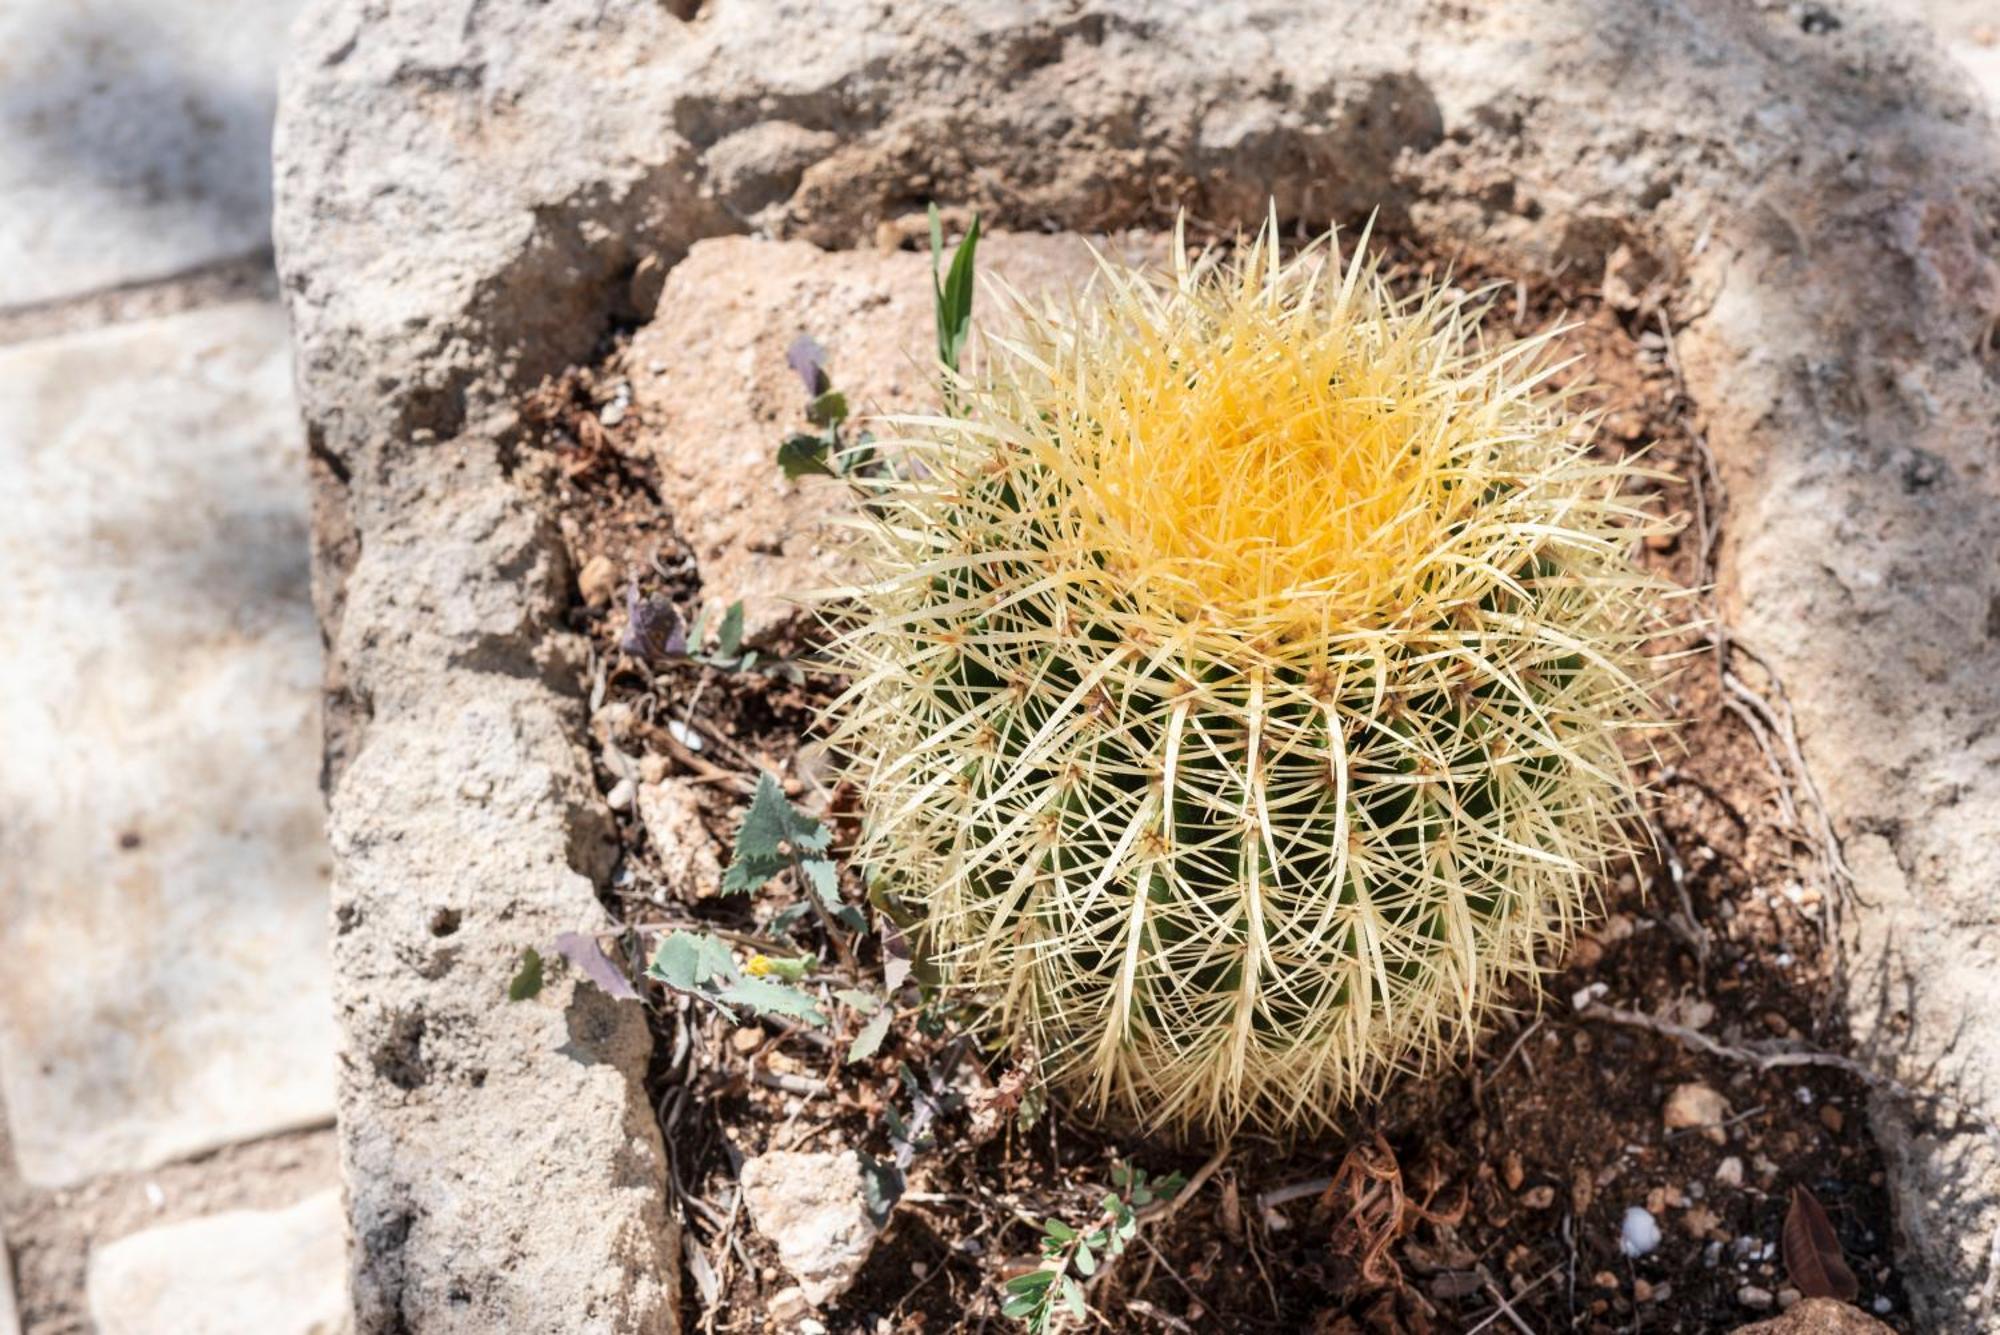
(1813, 1259)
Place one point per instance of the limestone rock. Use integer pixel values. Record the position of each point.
(680, 841)
(1818, 1316)
(163, 870)
(813, 1209)
(241, 1272)
(722, 396)
(10, 1317)
(1695, 1107)
(133, 140)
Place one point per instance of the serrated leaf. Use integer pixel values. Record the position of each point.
(824, 879)
(769, 998)
(528, 979)
(827, 409)
(808, 361)
(802, 455)
(770, 826)
(869, 1041)
(729, 639)
(690, 962)
(588, 958)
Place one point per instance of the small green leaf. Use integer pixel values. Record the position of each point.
(827, 409)
(1086, 1260)
(1072, 1293)
(730, 638)
(951, 294)
(881, 1187)
(1021, 1304)
(772, 829)
(869, 1041)
(824, 879)
(954, 298)
(802, 455)
(1034, 1281)
(769, 998)
(867, 1003)
(690, 961)
(528, 981)
(1060, 1231)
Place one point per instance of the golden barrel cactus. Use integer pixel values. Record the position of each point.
(1240, 680)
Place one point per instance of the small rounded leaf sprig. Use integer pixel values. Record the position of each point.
(1241, 681)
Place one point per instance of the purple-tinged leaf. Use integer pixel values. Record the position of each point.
(653, 628)
(808, 360)
(583, 952)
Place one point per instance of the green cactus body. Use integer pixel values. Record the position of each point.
(1240, 683)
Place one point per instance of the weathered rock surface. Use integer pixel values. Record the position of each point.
(241, 1272)
(133, 140)
(682, 844)
(722, 395)
(163, 873)
(1818, 1316)
(813, 1208)
(468, 197)
(10, 1317)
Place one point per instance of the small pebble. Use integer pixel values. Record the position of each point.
(1882, 1306)
(1753, 1297)
(1696, 1106)
(1729, 1172)
(1788, 1299)
(1832, 1118)
(620, 796)
(1639, 1234)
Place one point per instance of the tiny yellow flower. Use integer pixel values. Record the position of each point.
(758, 966)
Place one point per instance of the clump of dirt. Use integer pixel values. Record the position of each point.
(1495, 1195)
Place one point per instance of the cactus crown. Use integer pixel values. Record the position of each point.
(1239, 681)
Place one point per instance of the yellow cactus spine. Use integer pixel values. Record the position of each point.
(1239, 682)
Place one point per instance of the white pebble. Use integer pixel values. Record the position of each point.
(1640, 1233)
